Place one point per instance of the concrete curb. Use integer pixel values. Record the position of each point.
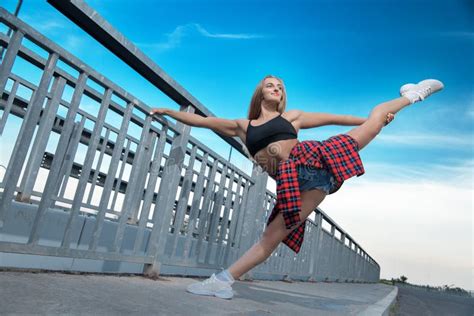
(382, 307)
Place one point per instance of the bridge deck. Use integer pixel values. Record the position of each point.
(111, 295)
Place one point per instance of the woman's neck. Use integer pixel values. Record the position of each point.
(268, 111)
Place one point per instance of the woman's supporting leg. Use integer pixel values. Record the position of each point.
(274, 234)
(367, 131)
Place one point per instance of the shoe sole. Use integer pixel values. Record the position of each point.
(223, 295)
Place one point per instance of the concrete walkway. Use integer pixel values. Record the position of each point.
(92, 294)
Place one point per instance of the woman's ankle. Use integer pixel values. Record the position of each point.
(412, 97)
(225, 275)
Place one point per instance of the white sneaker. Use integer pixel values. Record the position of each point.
(212, 287)
(421, 90)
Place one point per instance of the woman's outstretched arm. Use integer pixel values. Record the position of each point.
(219, 125)
(313, 119)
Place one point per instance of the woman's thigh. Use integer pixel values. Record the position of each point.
(367, 131)
(276, 231)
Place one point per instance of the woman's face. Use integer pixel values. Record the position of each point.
(272, 90)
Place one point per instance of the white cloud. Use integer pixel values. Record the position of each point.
(426, 140)
(205, 33)
(422, 230)
(43, 23)
(57, 30)
(73, 42)
(414, 221)
(174, 38)
(452, 172)
(50, 25)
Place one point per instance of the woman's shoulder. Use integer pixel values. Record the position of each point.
(291, 115)
(292, 112)
(242, 122)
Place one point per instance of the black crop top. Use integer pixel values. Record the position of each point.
(258, 137)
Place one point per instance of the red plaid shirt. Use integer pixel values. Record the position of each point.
(338, 154)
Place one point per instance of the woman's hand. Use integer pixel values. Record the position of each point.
(159, 111)
(390, 117)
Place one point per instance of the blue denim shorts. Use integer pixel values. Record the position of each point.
(314, 178)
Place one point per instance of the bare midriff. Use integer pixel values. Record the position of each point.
(269, 157)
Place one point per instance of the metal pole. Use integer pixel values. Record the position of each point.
(9, 32)
(230, 153)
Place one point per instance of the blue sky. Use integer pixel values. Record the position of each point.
(341, 57)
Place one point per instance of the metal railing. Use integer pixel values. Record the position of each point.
(88, 186)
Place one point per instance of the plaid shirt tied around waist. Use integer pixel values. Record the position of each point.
(338, 154)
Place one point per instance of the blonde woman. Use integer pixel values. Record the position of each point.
(305, 171)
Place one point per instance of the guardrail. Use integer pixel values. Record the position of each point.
(111, 185)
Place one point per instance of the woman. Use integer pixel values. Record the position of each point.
(305, 171)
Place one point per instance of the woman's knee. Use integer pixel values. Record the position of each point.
(376, 120)
(379, 114)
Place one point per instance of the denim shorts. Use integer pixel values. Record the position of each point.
(314, 178)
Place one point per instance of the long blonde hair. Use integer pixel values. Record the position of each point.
(255, 103)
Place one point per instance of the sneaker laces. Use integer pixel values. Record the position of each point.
(208, 280)
(423, 92)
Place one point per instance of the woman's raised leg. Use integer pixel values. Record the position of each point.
(411, 93)
(367, 131)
